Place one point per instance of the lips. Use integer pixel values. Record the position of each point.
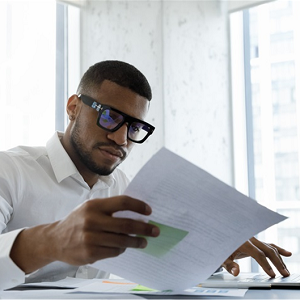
(112, 151)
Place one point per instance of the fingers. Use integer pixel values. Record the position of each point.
(104, 223)
(231, 266)
(97, 217)
(121, 203)
(89, 255)
(282, 251)
(130, 226)
(260, 256)
(274, 253)
(112, 240)
(248, 249)
(261, 252)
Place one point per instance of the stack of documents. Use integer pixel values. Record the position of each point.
(121, 288)
(128, 287)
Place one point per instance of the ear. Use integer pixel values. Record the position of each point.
(73, 106)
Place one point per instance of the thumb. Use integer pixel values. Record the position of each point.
(231, 266)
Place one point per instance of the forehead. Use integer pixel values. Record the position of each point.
(122, 99)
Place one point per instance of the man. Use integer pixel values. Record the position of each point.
(57, 202)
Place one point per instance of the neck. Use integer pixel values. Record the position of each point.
(89, 177)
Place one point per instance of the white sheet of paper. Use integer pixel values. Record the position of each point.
(68, 282)
(217, 217)
(125, 286)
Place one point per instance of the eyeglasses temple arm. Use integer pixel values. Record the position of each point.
(90, 102)
(96, 106)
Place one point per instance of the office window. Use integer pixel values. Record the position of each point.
(269, 85)
(34, 69)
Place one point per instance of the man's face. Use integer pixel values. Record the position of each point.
(94, 148)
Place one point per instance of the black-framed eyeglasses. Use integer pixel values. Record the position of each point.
(112, 119)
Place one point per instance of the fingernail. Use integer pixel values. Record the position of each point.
(287, 271)
(233, 270)
(143, 244)
(148, 209)
(155, 231)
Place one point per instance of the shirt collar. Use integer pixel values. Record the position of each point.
(62, 164)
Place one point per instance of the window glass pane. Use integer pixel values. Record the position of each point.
(275, 85)
(27, 72)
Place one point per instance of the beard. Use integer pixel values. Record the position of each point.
(86, 156)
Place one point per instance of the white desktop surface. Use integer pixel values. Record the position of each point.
(60, 294)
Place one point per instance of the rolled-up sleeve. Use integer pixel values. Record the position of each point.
(10, 274)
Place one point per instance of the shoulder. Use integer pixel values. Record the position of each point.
(23, 152)
(27, 152)
(20, 156)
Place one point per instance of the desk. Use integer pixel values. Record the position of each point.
(251, 294)
(59, 294)
(272, 294)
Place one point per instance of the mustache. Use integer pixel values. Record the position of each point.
(116, 147)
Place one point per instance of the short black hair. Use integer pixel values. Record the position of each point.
(118, 72)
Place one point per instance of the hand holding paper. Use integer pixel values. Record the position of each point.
(204, 221)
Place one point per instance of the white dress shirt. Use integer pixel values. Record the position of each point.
(40, 185)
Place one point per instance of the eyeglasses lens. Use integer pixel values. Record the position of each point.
(137, 131)
(110, 119)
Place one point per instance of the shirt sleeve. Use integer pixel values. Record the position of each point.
(10, 274)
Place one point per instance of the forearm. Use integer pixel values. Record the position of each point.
(33, 248)
(87, 234)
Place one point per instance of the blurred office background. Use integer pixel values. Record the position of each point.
(225, 78)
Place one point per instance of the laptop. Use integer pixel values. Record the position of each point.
(251, 280)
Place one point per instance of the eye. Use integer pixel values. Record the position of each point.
(135, 128)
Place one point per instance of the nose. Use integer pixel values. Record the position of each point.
(119, 136)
